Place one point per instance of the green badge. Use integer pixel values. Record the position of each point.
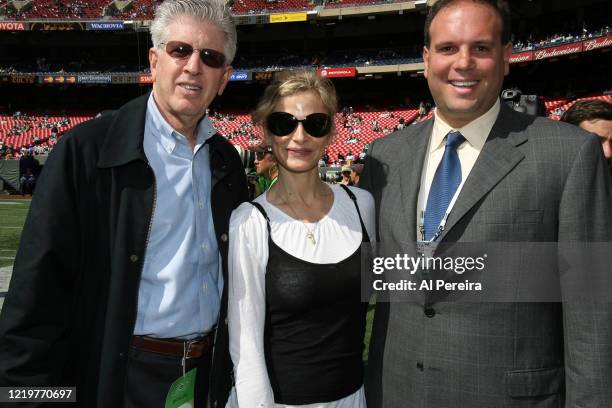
(181, 391)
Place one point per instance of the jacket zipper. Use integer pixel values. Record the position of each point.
(146, 243)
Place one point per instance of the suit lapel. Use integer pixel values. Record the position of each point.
(414, 148)
(497, 158)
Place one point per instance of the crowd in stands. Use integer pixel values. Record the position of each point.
(144, 10)
(281, 59)
(532, 43)
(84, 65)
(246, 7)
(355, 3)
(32, 134)
(268, 62)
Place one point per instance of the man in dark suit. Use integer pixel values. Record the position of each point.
(118, 284)
(481, 172)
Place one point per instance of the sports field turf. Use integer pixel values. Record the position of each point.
(12, 217)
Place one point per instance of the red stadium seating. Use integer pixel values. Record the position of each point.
(63, 9)
(387, 121)
(259, 6)
(357, 3)
(564, 105)
(238, 128)
(33, 123)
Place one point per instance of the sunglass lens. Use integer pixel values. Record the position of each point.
(179, 50)
(281, 123)
(317, 124)
(212, 58)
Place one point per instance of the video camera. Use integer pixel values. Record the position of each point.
(529, 104)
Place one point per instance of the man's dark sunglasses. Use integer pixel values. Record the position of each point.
(180, 51)
(283, 123)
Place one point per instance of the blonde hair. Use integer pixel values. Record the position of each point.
(289, 83)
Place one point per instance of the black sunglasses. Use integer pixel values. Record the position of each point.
(261, 155)
(283, 123)
(180, 51)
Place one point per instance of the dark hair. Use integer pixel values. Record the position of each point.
(500, 6)
(588, 110)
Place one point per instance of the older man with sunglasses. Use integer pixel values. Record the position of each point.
(118, 285)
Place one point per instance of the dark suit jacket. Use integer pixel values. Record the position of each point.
(535, 180)
(69, 315)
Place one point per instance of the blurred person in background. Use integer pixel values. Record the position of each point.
(296, 318)
(356, 170)
(594, 116)
(346, 180)
(265, 167)
(118, 284)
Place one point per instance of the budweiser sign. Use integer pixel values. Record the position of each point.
(602, 42)
(12, 26)
(521, 57)
(337, 72)
(558, 51)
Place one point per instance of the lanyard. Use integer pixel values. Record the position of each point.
(442, 221)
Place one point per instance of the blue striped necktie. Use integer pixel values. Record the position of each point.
(444, 185)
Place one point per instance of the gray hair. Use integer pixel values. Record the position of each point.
(215, 11)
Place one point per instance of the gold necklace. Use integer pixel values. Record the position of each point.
(310, 234)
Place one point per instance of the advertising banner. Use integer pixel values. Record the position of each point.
(337, 72)
(597, 43)
(124, 79)
(105, 25)
(557, 51)
(521, 57)
(240, 76)
(13, 26)
(288, 17)
(145, 79)
(57, 26)
(263, 76)
(23, 79)
(94, 79)
(57, 79)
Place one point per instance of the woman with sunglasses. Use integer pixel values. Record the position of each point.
(296, 319)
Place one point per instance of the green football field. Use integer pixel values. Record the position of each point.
(12, 217)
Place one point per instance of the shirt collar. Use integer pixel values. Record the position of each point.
(168, 137)
(476, 132)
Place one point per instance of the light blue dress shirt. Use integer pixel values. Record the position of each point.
(180, 288)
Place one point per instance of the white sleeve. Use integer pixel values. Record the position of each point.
(248, 254)
(365, 201)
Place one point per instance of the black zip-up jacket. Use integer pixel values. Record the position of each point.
(71, 308)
